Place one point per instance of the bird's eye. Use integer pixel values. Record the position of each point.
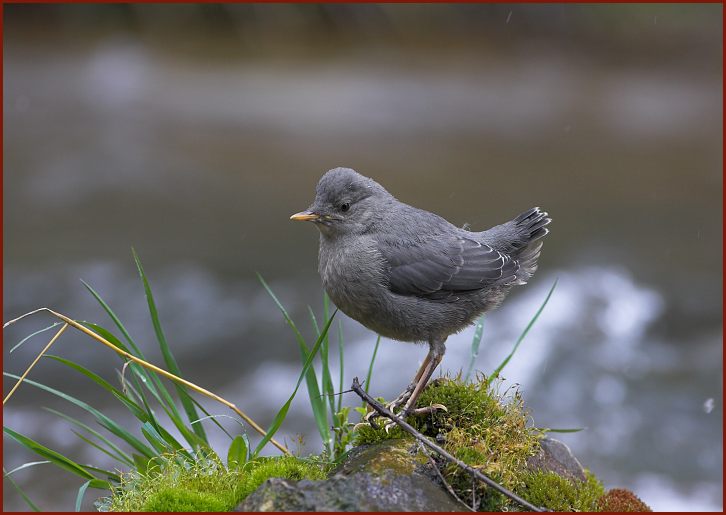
(345, 206)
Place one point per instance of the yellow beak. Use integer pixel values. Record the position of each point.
(305, 216)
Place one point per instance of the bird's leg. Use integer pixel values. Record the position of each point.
(433, 358)
(436, 354)
(406, 394)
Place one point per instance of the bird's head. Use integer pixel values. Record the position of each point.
(346, 202)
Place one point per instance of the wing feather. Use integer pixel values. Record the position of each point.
(439, 267)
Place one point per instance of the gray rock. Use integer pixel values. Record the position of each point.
(384, 477)
(357, 492)
(556, 457)
(388, 476)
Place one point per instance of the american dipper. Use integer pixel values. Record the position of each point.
(410, 275)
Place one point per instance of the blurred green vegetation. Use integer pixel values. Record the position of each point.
(252, 28)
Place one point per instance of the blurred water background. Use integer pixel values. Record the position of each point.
(192, 132)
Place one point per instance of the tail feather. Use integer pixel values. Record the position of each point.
(532, 223)
(531, 227)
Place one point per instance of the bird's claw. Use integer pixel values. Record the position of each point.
(370, 418)
(392, 406)
(429, 409)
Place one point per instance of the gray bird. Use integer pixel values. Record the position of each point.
(410, 275)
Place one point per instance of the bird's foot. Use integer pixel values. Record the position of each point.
(392, 406)
(406, 412)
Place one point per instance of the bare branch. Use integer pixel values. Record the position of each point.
(383, 411)
(441, 477)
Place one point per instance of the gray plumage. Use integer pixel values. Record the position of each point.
(408, 274)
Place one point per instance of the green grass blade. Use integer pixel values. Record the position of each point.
(49, 454)
(102, 419)
(370, 365)
(81, 493)
(145, 414)
(280, 417)
(327, 384)
(25, 466)
(282, 309)
(97, 446)
(161, 440)
(524, 333)
(135, 409)
(172, 442)
(93, 483)
(317, 399)
(150, 380)
(562, 430)
(478, 331)
(317, 403)
(25, 497)
(33, 334)
(111, 476)
(342, 368)
(141, 463)
(189, 435)
(116, 321)
(113, 450)
(155, 439)
(169, 359)
(213, 418)
(238, 452)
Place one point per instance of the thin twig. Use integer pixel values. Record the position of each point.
(441, 477)
(382, 410)
(27, 371)
(145, 364)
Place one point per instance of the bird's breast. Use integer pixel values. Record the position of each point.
(352, 275)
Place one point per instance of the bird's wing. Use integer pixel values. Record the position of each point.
(440, 266)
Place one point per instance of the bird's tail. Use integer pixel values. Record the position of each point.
(530, 227)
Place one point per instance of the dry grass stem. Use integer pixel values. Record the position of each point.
(27, 371)
(68, 321)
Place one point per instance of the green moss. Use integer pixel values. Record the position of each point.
(366, 435)
(207, 485)
(561, 494)
(286, 467)
(484, 429)
(180, 500)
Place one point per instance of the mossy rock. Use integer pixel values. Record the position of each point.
(389, 472)
(173, 485)
(399, 455)
(492, 433)
(555, 456)
(387, 476)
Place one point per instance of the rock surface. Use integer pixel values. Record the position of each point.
(389, 476)
(358, 492)
(556, 457)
